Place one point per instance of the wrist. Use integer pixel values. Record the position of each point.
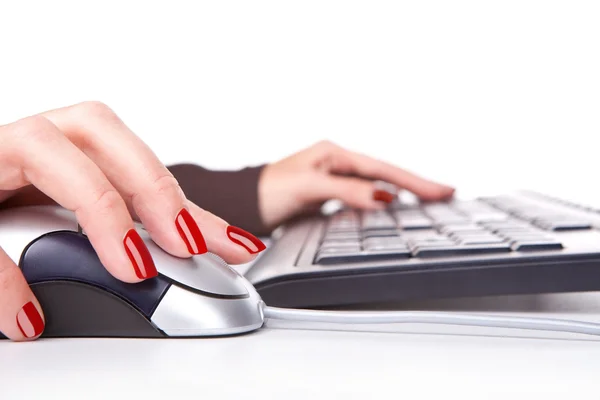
(265, 194)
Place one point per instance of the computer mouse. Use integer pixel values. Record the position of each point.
(191, 297)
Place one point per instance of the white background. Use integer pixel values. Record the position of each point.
(483, 95)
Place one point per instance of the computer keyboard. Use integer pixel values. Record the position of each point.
(488, 225)
(518, 243)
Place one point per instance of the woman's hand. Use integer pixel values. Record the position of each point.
(306, 179)
(85, 159)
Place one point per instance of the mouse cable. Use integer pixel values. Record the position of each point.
(430, 317)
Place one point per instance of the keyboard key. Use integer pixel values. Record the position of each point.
(431, 242)
(506, 229)
(342, 236)
(524, 236)
(443, 214)
(381, 233)
(479, 211)
(565, 225)
(462, 250)
(482, 240)
(337, 258)
(341, 229)
(425, 234)
(415, 223)
(371, 222)
(539, 245)
(325, 258)
(449, 219)
(410, 213)
(465, 234)
(339, 244)
(504, 224)
(383, 244)
(381, 254)
(454, 228)
(489, 217)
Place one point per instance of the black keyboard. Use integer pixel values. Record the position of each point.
(513, 244)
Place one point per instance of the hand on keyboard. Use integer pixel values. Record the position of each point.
(307, 179)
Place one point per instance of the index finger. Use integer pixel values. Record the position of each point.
(37, 153)
(367, 167)
(149, 189)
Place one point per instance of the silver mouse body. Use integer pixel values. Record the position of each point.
(206, 298)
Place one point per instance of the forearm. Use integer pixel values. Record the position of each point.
(231, 195)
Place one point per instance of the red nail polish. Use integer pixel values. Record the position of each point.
(190, 232)
(382, 195)
(30, 321)
(139, 255)
(245, 239)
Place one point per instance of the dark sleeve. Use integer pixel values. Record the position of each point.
(231, 195)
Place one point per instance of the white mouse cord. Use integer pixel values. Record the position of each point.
(430, 317)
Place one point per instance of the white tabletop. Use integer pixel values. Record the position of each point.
(288, 361)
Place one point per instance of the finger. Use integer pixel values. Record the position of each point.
(354, 192)
(149, 189)
(41, 155)
(220, 236)
(21, 317)
(345, 161)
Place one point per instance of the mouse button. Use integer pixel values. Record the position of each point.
(70, 256)
(205, 272)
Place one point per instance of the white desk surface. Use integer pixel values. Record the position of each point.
(288, 362)
(281, 361)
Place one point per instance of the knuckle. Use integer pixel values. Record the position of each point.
(166, 184)
(325, 144)
(106, 201)
(35, 128)
(95, 109)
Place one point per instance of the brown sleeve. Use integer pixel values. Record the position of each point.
(231, 195)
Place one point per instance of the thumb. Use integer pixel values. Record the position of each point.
(354, 192)
(21, 316)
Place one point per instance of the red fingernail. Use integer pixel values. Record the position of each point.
(382, 195)
(245, 239)
(190, 233)
(139, 255)
(30, 321)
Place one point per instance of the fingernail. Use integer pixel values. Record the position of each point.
(245, 239)
(382, 195)
(190, 232)
(139, 255)
(30, 321)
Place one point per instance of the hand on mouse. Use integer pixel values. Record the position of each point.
(305, 180)
(84, 158)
